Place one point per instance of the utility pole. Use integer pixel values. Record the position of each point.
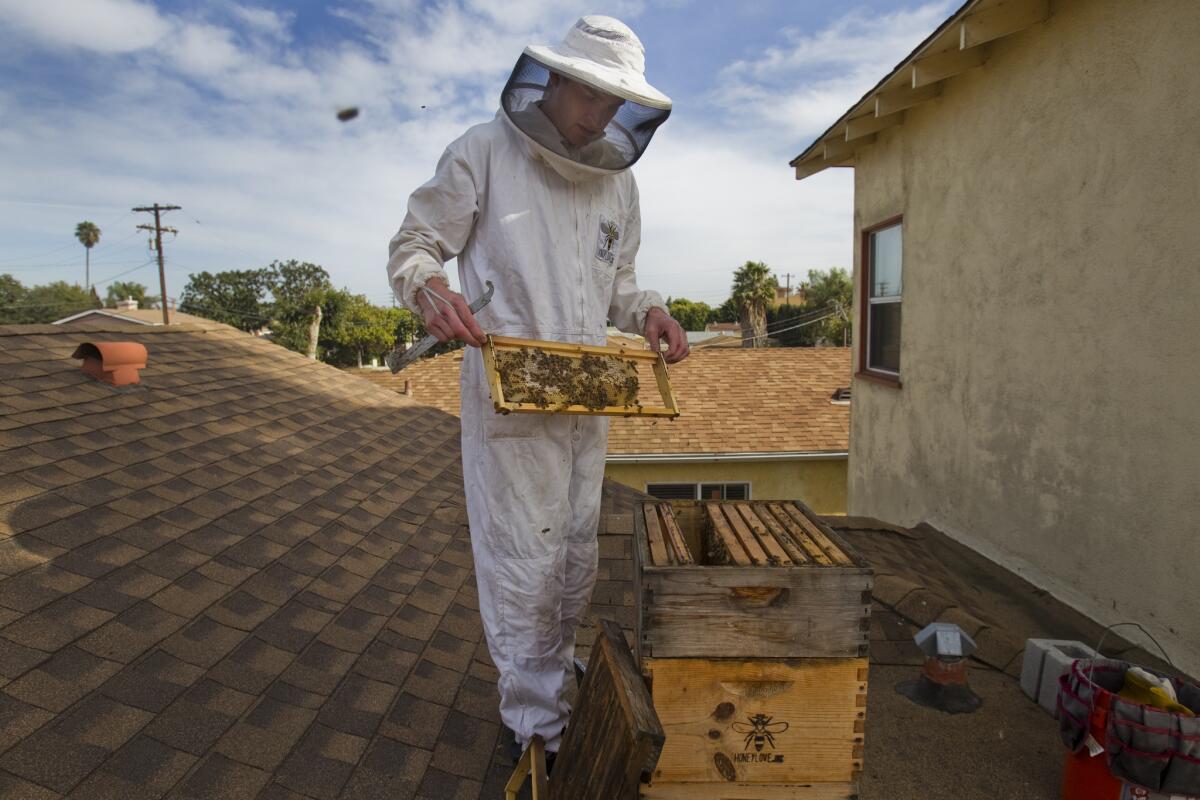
(787, 293)
(158, 232)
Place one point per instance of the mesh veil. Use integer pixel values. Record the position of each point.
(625, 138)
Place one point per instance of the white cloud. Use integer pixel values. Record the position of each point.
(103, 26)
(213, 114)
(204, 50)
(709, 205)
(802, 85)
(265, 21)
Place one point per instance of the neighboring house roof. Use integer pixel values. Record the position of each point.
(695, 337)
(101, 317)
(959, 44)
(717, 339)
(733, 400)
(249, 572)
(431, 381)
(747, 400)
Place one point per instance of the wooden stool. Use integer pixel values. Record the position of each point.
(614, 739)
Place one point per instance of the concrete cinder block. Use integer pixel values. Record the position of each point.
(1045, 661)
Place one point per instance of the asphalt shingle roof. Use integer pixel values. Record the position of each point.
(250, 577)
(247, 576)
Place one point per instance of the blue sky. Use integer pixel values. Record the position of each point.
(227, 108)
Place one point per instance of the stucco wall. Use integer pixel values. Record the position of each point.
(819, 483)
(1050, 409)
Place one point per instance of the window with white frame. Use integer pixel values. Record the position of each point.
(883, 282)
(699, 491)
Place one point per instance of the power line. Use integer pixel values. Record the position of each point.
(143, 265)
(821, 314)
(213, 232)
(43, 204)
(45, 253)
(100, 261)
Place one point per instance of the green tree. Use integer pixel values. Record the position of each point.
(692, 315)
(12, 298)
(360, 330)
(726, 312)
(235, 297)
(823, 291)
(88, 234)
(129, 290)
(826, 289)
(304, 297)
(753, 290)
(54, 301)
(39, 304)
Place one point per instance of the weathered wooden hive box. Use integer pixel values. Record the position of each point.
(752, 629)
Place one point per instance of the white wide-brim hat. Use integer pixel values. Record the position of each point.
(603, 52)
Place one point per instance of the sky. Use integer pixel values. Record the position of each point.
(229, 109)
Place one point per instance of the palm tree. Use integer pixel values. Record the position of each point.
(88, 234)
(753, 288)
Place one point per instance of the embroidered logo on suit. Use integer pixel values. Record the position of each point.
(607, 240)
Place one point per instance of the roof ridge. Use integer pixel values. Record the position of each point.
(42, 329)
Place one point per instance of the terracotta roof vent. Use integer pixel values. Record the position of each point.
(112, 362)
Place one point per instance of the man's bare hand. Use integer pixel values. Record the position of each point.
(661, 327)
(449, 320)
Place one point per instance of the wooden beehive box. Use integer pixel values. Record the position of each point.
(759, 722)
(762, 579)
(752, 628)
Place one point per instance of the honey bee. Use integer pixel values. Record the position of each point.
(760, 731)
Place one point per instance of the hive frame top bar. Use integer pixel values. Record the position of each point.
(494, 344)
(759, 534)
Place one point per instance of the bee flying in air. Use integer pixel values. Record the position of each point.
(760, 731)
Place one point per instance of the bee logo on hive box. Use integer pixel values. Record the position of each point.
(760, 732)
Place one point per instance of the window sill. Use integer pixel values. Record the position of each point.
(881, 378)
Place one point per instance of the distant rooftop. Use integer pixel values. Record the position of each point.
(127, 311)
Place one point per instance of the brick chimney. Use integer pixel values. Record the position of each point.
(128, 304)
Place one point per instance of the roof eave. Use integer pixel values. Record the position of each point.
(957, 45)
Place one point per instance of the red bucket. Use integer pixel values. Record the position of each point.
(1086, 777)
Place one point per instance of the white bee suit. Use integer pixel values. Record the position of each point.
(557, 238)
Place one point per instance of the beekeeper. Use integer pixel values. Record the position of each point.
(541, 202)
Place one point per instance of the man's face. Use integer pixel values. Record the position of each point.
(580, 112)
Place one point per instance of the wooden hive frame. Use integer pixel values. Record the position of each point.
(495, 344)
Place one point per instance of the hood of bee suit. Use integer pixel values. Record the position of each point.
(604, 54)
